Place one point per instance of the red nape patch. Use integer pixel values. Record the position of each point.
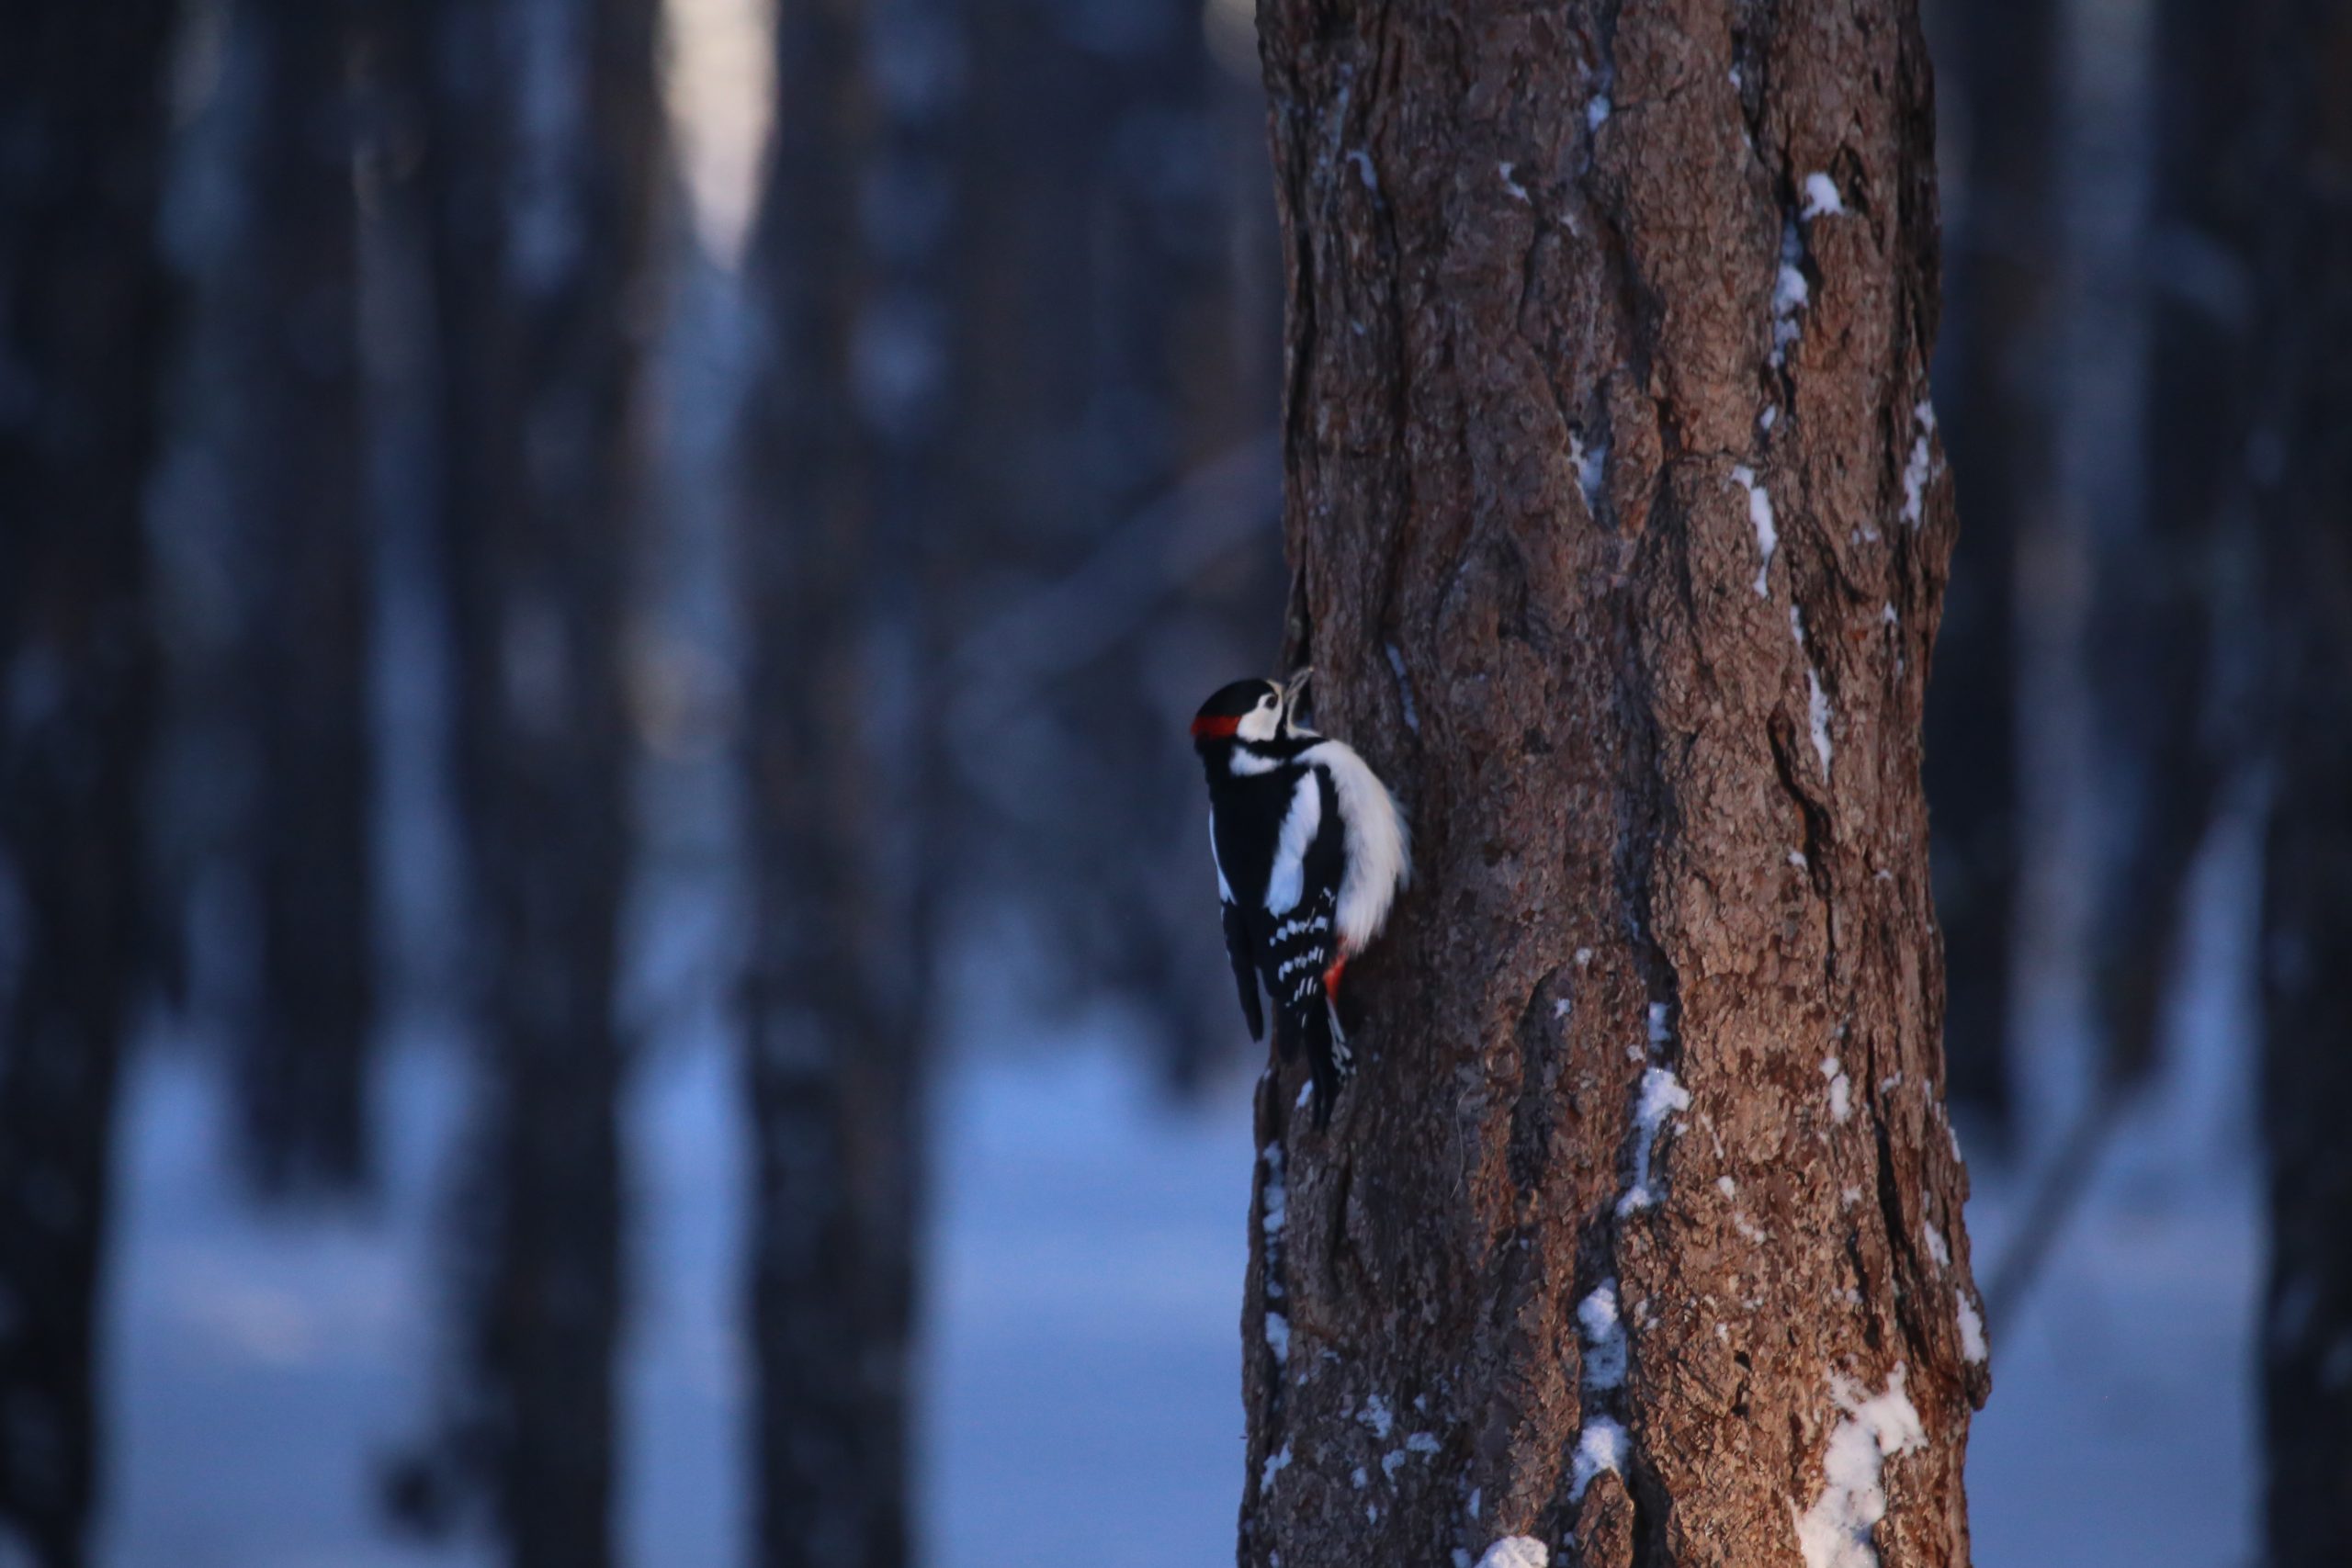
(1331, 977)
(1219, 727)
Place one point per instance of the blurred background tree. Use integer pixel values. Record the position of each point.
(84, 321)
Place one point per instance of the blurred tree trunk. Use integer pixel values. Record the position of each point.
(2301, 125)
(1102, 378)
(83, 317)
(1163, 404)
(544, 155)
(1621, 530)
(2155, 638)
(843, 451)
(2000, 422)
(303, 1070)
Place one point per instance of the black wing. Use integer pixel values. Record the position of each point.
(1301, 943)
(1245, 966)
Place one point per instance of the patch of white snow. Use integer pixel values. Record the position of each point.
(1817, 709)
(1601, 1446)
(1517, 1551)
(1920, 469)
(1759, 514)
(1836, 1531)
(1972, 1331)
(1277, 1193)
(1604, 1338)
(1791, 293)
(1660, 1095)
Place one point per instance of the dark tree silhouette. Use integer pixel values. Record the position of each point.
(2154, 641)
(542, 160)
(1103, 379)
(303, 1070)
(1621, 527)
(1997, 376)
(843, 455)
(2301, 132)
(83, 317)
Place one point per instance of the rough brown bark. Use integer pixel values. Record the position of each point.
(84, 316)
(302, 1069)
(542, 162)
(1664, 783)
(1997, 376)
(841, 451)
(2304, 132)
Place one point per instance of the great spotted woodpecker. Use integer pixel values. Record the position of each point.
(1310, 853)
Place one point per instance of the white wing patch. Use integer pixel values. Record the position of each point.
(1224, 888)
(1379, 852)
(1300, 825)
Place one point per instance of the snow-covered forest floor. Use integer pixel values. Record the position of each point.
(1081, 1398)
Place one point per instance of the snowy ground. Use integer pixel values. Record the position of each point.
(1082, 1398)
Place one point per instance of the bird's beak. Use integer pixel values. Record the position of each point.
(1295, 685)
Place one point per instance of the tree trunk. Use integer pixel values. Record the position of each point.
(543, 161)
(828, 1041)
(84, 308)
(2304, 462)
(2160, 589)
(303, 1070)
(1620, 528)
(2001, 418)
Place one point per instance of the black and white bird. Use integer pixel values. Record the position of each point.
(1310, 853)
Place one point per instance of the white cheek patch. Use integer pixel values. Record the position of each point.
(1264, 722)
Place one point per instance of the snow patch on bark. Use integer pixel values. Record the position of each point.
(1275, 1465)
(1821, 198)
(1517, 1551)
(1601, 1446)
(1660, 1095)
(1841, 1090)
(1376, 1416)
(1937, 1248)
(1759, 515)
(1836, 1531)
(1604, 1338)
(1920, 471)
(1592, 469)
(1972, 1331)
(1404, 688)
(1277, 1193)
(1816, 709)
(1791, 293)
(1278, 1336)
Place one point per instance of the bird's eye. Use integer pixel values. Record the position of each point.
(1265, 702)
